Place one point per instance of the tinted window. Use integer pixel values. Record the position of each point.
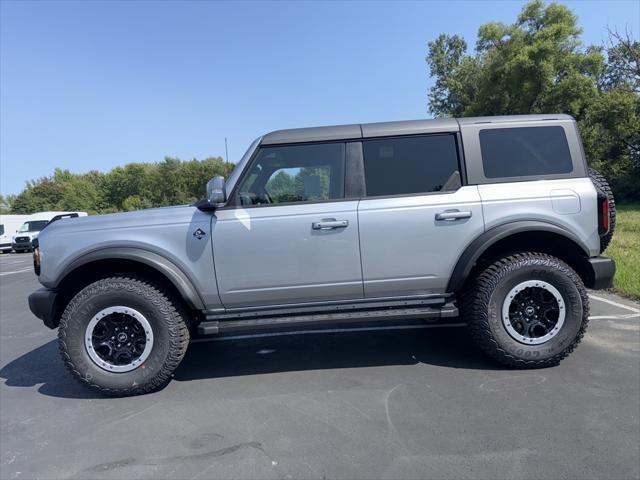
(295, 173)
(527, 151)
(397, 166)
(33, 226)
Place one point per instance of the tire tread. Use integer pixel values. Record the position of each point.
(177, 330)
(475, 308)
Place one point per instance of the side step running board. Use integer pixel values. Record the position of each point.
(222, 326)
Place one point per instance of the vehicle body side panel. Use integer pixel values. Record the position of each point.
(545, 201)
(479, 245)
(167, 232)
(271, 255)
(405, 250)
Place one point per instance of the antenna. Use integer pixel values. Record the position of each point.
(226, 151)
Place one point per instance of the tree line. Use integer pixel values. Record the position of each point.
(131, 187)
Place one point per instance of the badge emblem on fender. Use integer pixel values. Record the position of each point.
(199, 234)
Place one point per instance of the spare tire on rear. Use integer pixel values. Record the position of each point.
(603, 187)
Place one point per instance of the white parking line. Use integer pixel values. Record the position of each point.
(615, 304)
(615, 317)
(16, 271)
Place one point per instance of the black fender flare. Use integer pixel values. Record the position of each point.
(476, 248)
(170, 270)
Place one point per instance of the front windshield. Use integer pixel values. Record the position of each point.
(33, 226)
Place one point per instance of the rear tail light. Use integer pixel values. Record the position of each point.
(603, 214)
(36, 261)
(36, 256)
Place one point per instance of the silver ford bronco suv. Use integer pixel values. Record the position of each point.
(496, 219)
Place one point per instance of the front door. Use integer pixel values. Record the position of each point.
(291, 237)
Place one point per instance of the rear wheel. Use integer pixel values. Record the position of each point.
(529, 310)
(122, 336)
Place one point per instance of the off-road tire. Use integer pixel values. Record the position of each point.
(482, 309)
(602, 185)
(170, 335)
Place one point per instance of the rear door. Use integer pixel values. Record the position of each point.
(293, 235)
(417, 217)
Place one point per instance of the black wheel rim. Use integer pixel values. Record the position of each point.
(533, 312)
(119, 339)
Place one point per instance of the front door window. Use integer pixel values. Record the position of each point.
(294, 173)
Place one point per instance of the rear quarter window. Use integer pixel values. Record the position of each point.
(524, 152)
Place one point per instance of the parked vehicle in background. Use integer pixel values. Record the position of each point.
(22, 241)
(497, 219)
(9, 226)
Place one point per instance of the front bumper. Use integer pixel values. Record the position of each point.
(602, 271)
(43, 303)
(22, 245)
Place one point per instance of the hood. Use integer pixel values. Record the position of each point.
(138, 218)
(30, 233)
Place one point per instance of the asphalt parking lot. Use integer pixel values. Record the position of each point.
(415, 402)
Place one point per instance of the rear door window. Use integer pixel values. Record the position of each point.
(524, 151)
(411, 165)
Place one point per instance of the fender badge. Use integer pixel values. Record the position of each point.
(199, 234)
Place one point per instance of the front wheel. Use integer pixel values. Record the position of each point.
(122, 336)
(528, 310)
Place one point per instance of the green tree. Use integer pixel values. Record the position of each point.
(79, 192)
(539, 65)
(623, 65)
(38, 195)
(281, 186)
(124, 182)
(135, 202)
(6, 202)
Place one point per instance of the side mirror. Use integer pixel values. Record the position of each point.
(215, 190)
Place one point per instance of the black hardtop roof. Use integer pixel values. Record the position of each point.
(386, 129)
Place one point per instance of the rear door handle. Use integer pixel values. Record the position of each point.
(330, 224)
(452, 215)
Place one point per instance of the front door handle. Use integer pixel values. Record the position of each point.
(330, 224)
(452, 215)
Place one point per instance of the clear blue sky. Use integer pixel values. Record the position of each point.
(91, 85)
